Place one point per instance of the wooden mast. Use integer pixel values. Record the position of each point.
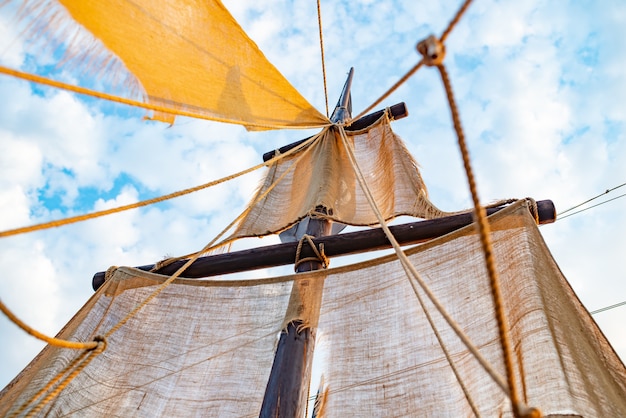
(287, 388)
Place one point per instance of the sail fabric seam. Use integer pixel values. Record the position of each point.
(135, 103)
(413, 274)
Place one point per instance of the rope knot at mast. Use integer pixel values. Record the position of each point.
(433, 51)
(319, 253)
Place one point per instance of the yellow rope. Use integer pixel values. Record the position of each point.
(413, 274)
(50, 340)
(417, 66)
(211, 247)
(148, 106)
(319, 23)
(391, 89)
(92, 354)
(75, 366)
(80, 218)
(92, 345)
(51, 383)
(319, 254)
(455, 20)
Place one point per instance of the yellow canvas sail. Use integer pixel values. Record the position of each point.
(186, 55)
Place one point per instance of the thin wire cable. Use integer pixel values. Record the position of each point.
(148, 106)
(607, 191)
(608, 308)
(591, 207)
(319, 23)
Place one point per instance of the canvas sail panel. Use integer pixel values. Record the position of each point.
(205, 347)
(324, 177)
(380, 356)
(187, 55)
(199, 349)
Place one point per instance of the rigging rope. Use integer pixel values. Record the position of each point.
(64, 377)
(227, 241)
(193, 257)
(413, 274)
(391, 89)
(211, 245)
(50, 340)
(319, 23)
(135, 103)
(519, 409)
(80, 218)
(417, 66)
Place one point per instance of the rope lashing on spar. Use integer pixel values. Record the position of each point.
(319, 253)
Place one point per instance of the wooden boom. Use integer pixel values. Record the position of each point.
(334, 245)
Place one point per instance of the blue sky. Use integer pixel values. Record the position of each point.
(540, 86)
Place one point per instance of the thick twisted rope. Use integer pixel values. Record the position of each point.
(65, 376)
(413, 274)
(319, 23)
(319, 253)
(519, 408)
(135, 103)
(211, 244)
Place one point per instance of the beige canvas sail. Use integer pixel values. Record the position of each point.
(205, 348)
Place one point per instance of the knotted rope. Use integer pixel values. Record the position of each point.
(319, 254)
